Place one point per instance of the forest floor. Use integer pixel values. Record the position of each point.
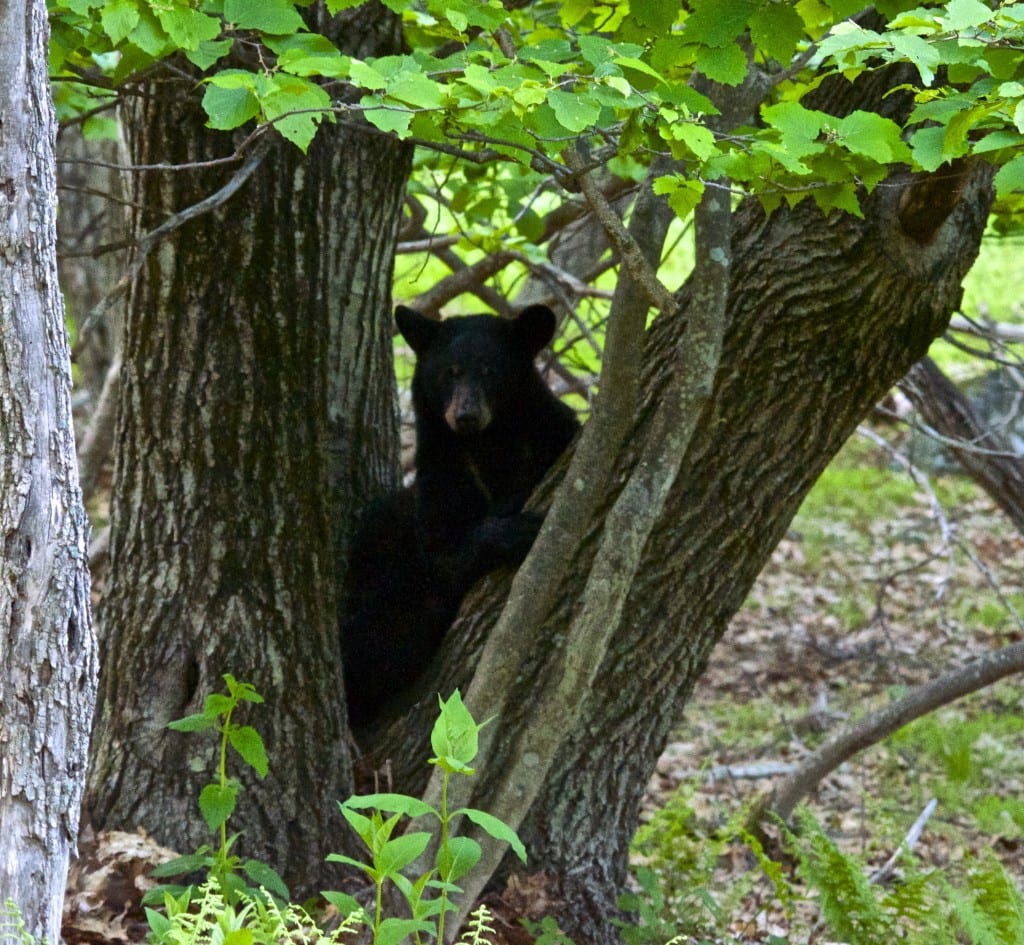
(881, 583)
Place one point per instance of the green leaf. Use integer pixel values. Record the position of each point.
(399, 852)
(199, 722)
(266, 876)
(1010, 177)
(229, 107)
(920, 52)
(182, 864)
(395, 803)
(187, 27)
(393, 931)
(873, 136)
(349, 861)
(725, 64)
(496, 828)
(268, 16)
(455, 735)
(296, 106)
(776, 28)
(363, 826)
(208, 52)
(247, 742)
(217, 703)
(392, 120)
(926, 146)
(239, 937)
(963, 14)
(575, 113)
(345, 904)
(119, 18)
(216, 803)
(460, 856)
(718, 22)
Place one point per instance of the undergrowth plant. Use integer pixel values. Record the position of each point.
(12, 926)
(454, 740)
(228, 874)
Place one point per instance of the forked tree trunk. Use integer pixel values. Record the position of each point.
(258, 344)
(825, 315)
(47, 648)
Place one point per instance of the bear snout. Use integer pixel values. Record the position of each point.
(467, 410)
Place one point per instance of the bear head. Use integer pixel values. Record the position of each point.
(471, 369)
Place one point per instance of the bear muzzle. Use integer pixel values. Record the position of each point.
(467, 411)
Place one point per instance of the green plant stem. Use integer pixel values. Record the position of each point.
(444, 855)
(222, 857)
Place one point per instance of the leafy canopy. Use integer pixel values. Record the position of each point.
(512, 89)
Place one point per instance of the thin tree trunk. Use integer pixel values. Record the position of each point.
(257, 353)
(47, 648)
(984, 454)
(824, 315)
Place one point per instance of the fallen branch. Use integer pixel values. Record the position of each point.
(885, 871)
(875, 726)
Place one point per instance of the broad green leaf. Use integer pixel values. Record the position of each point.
(416, 89)
(455, 735)
(461, 855)
(776, 29)
(393, 931)
(389, 119)
(216, 803)
(217, 703)
(963, 14)
(718, 22)
(394, 803)
(187, 27)
(119, 18)
(920, 52)
(268, 16)
(208, 52)
(399, 852)
(345, 904)
(496, 828)
(926, 146)
(266, 876)
(181, 864)
(229, 107)
(296, 106)
(199, 722)
(873, 136)
(349, 861)
(336, 6)
(363, 826)
(367, 76)
(725, 64)
(575, 113)
(248, 743)
(698, 139)
(239, 937)
(1010, 177)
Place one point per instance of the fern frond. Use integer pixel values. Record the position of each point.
(478, 927)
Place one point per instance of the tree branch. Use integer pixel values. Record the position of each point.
(875, 726)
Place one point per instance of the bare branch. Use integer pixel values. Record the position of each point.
(875, 726)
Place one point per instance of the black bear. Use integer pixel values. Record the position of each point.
(487, 430)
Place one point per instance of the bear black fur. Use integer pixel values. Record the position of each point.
(487, 430)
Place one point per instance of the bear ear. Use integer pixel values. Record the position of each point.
(535, 327)
(416, 328)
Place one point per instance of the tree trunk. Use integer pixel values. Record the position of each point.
(825, 315)
(47, 648)
(257, 350)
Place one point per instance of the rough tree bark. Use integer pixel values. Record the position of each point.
(47, 648)
(257, 352)
(825, 314)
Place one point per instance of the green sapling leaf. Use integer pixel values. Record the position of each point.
(266, 876)
(454, 737)
(199, 722)
(457, 858)
(217, 802)
(398, 853)
(247, 742)
(395, 803)
(496, 828)
(393, 931)
(358, 864)
(183, 864)
(345, 904)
